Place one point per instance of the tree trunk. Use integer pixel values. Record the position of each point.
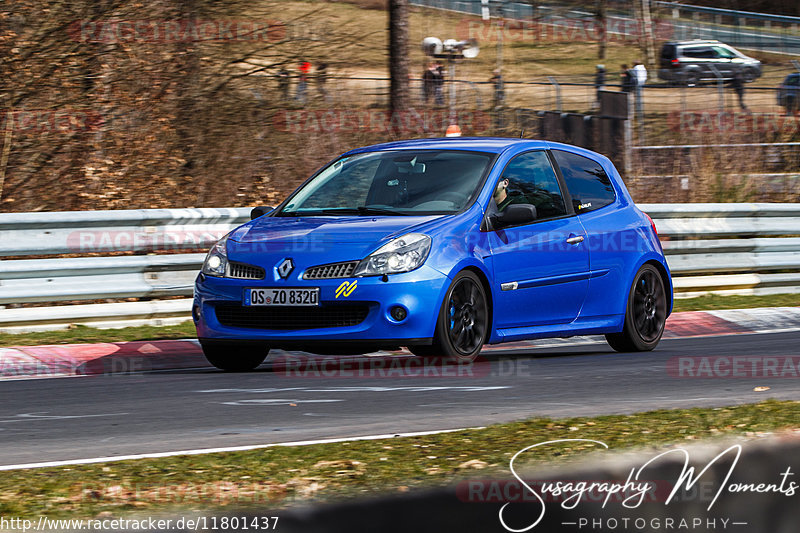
(398, 56)
(600, 19)
(646, 43)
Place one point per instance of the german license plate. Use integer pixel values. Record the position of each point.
(282, 297)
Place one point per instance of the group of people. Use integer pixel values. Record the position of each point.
(632, 80)
(301, 92)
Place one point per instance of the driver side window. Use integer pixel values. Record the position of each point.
(532, 180)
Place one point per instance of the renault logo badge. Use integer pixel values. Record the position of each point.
(285, 268)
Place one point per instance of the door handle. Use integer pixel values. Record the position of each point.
(575, 240)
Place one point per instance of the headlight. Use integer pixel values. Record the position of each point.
(216, 263)
(403, 254)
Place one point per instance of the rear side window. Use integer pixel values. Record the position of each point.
(668, 51)
(793, 80)
(701, 53)
(587, 182)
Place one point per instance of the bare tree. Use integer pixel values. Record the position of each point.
(398, 56)
(647, 40)
(600, 7)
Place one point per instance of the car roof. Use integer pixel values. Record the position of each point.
(493, 145)
(695, 42)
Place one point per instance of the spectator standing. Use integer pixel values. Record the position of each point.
(302, 82)
(322, 78)
(737, 83)
(599, 81)
(640, 73)
(626, 79)
(284, 80)
(499, 88)
(438, 84)
(429, 82)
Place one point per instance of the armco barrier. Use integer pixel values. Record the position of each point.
(94, 272)
(719, 248)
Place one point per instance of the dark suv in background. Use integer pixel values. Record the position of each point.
(692, 62)
(789, 93)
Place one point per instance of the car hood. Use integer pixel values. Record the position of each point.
(333, 230)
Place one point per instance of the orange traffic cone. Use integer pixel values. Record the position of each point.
(453, 130)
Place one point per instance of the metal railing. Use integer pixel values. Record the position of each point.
(719, 248)
(753, 31)
(162, 249)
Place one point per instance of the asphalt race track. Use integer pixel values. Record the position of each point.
(84, 417)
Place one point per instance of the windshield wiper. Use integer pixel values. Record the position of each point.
(365, 210)
(361, 211)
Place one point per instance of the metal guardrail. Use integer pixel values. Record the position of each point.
(94, 268)
(720, 248)
(740, 34)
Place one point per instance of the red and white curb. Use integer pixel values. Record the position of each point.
(126, 357)
(104, 358)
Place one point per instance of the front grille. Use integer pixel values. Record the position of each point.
(242, 271)
(325, 316)
(331, 271)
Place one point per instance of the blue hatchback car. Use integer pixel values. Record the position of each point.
(442, 246)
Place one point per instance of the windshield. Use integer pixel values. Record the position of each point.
(407, 182)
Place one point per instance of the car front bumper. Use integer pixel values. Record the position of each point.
(419, 293)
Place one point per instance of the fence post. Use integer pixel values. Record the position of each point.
(6, 150)
(720, 87)
(628, 138)
(558, 92)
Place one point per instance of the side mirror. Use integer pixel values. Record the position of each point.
(514, 215)
(259, 211)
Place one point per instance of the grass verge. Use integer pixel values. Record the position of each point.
(711, 302)
(83, 334)
(271, 478)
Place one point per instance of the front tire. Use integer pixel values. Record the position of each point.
(645, 315)
(692, 79)
(234, 357)
(463, 322)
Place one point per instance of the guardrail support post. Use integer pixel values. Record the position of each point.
(558, 92)
(720, 87)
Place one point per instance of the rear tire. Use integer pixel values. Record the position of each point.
(463, 322)
(791, 105)
(692, 79)
(235, 357)
(645, 315)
